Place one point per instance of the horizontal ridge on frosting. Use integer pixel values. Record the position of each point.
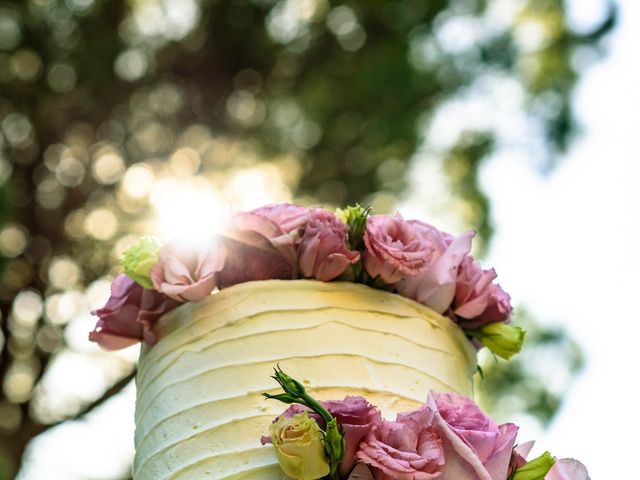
(199, 410)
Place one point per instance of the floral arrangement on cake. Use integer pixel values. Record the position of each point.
(448, 438)
(407, 257)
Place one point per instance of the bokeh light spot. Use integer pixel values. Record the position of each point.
(64, 273)
(27, 308)
(13, 240)
(101, 224)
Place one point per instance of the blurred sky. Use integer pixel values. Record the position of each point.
(565, 246)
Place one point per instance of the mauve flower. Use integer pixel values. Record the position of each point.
(257, 249)
(477, 300)
(356, 417)
(519, 456)
(129, 314)
(567, 469)
(475, 447)
(403, 451)
(407, 449)
(435, 284)
(290, 218)
(187, 273)
(323, 252)
(394, 248)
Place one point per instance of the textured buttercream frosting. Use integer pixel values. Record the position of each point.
(199, 410)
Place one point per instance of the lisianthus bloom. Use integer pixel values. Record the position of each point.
(187, 273)
(355, 415)
(394, 248)
(323, 252)
(138, 260)
(262, 244)
(129, 314)
(478, 301)
(434, 285)
(298, 443)
(407, 449)
(475, 447)
(567, 469)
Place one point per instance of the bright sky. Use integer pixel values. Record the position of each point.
(566, 247)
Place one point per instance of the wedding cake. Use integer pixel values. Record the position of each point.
(199, 410)
(357, 317)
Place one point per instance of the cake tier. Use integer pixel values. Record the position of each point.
(199, 410)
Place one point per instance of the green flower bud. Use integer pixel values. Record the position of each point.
(298, 442)
(334, 445)
(138, 259)
(535, 469)
(502, 339)
(291, 386)
(355, 217)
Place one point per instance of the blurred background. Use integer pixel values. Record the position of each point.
(517, 118)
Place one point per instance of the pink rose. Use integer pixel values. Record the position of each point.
(475, 447)
(258, 249)
(290, 218)
(519, 456)
(407, 449)
(129, 314)
(394, 248)
(323, 252)
(185, 273)
(355, 415)
(477, 300)
(567, 469)
(435, 284)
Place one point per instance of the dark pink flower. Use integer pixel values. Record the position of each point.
(129, 314)
(187, 273)
(323, 252)
(257, 249)
(475, 447)
(567, 469)
(407, 449)
(394, 248)
(478, 300)
(435, 284)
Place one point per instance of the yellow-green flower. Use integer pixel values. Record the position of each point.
(502, 339)
(138, 259)
(298, 442)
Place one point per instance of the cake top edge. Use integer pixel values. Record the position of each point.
(349, 248)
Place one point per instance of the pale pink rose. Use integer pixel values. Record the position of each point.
(290, 218)
(435, 284)
(519, 456)
(323, 252)
(257, 249)
(129, 315)
(567, 469)
(478, 300)
(407, 449)
(187, 273)
(394, 248)
(475, 447)
(361, 472)
(355, 415)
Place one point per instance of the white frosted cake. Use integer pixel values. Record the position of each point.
(200, 412)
